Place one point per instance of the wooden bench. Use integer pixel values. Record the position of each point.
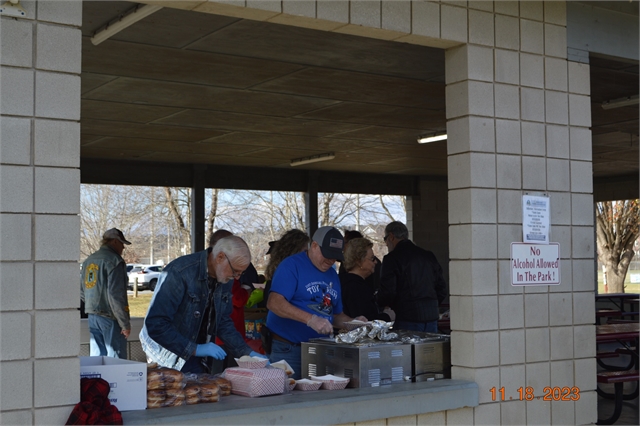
(625, 351)
(613, 316)
(608, 313)
(623, 321)
(615, 354)
(618, 378)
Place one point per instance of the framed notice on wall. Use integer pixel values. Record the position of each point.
(535, 219)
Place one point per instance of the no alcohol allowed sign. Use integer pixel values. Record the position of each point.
(535, 264)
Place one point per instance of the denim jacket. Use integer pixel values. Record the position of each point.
(176, 312)
(103, 286)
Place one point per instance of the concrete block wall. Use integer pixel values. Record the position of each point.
(428, 222)
(39, 207)
(510, 108)
(461, 416)
(518, 121)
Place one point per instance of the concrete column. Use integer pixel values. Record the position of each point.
(311, 204)
(197, 210)
(39, 206)
(518, 116)
(428, 222)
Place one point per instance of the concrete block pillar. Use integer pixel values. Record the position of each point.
(39, 207)
(518, 116)
(427, 219)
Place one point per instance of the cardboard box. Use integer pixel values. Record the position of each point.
(127, 380)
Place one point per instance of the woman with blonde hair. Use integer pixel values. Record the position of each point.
(357, 296)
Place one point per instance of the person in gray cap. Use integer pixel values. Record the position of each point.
(103, 289)
(305, 298)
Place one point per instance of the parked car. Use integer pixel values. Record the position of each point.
(130, 266)
(147, 276)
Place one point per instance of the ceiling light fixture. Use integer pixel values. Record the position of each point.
(313, 159)
(123, 21)
(621, 102)
(433, 137)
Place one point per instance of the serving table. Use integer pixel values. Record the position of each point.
(319, 407)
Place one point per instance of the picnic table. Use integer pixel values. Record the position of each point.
(626, 334)
(626, 307)
(617, 332)
(620, 300)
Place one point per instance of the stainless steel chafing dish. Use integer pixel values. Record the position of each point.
(413, 356)
(366, 364)
(430, 355)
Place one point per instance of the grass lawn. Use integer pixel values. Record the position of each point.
(138, 305)
(629, 287)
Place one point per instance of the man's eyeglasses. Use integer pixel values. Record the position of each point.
(235, 273)
(385, 238)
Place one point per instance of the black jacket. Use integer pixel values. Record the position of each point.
(412, 283)
(358, 298)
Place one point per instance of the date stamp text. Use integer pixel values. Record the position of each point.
(550, 393)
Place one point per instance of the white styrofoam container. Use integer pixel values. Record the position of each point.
(127, 380)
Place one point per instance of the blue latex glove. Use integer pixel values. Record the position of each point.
(259, 355)
(210, 349)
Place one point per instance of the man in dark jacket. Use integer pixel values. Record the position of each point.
(411, 283)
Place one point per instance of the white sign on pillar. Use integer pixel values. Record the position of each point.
(535, 264)
(535, 219)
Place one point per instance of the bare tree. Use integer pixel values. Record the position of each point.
(211, 216)
(178, 202)
(277, 210)
(257, 216)
(106, 206)
(617, 227)
(386, 210)
(336, 209)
